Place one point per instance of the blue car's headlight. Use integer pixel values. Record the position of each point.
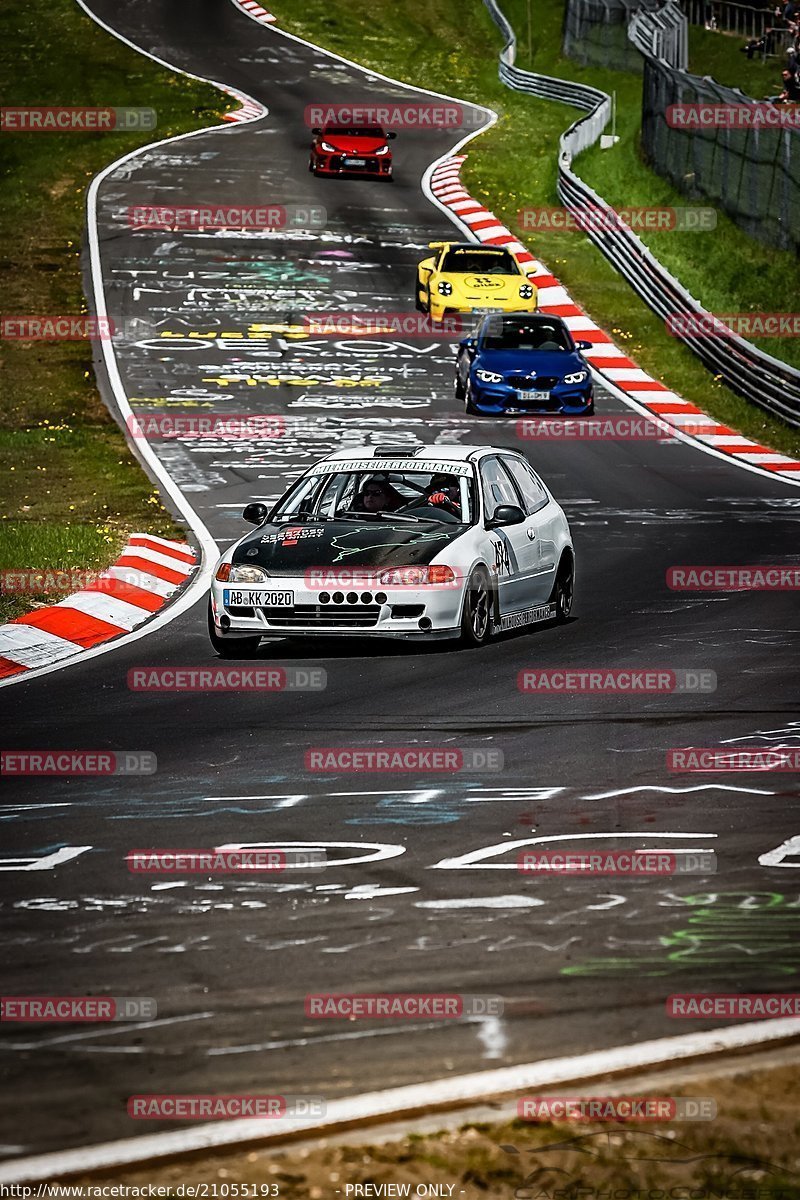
(577, 377)
(489, 376)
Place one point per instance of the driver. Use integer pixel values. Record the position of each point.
(444, 490)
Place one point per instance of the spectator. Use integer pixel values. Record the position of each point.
(791, 89)
(789, 11)
(753, 47)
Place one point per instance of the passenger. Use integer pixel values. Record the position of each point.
(377, 496)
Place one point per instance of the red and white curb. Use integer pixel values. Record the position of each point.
(250, 109)
(148, 573)
(255, 10)
(608, 360)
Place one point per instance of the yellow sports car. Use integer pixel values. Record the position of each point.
(461, 277)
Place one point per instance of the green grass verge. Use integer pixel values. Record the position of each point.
(68, 483)
(62, 547)
(434, 43)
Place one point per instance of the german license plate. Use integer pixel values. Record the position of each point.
(355, 162)
(256, 599)
(532, 395)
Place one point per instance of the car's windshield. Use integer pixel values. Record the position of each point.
(367, 491)
(480, 262)
(350, 131)
(503, 333)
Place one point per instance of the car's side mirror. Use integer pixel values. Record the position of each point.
(391, 135)
(506, 514)
(583, 345)
(316, 131)
(255, 513)
(425, 270)
(468, 344)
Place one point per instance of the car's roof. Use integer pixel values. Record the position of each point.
(414, 456)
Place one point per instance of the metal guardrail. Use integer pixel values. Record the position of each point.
(741, 19)
(661, 33)
(752, 373)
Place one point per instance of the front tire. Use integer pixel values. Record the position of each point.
(476, 615)
(469, 407)
(233, 647)
(459, 387)
(563, 591)
(420, 303)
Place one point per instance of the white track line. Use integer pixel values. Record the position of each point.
(373, 1108)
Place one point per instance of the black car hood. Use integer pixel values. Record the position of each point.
(288, 548)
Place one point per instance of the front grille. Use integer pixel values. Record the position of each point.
(365, 616)
(542, 383)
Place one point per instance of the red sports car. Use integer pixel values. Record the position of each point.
(351, 150)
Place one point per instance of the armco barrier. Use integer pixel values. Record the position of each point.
(747, 370)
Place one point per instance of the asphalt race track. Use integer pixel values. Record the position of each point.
(581, 964)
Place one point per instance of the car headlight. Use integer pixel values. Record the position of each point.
(489, 376)
(417, 576)
(577, 377)
(526, 291)
(244, 573)
(327, 147)
(383, 150)
(445, 288)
